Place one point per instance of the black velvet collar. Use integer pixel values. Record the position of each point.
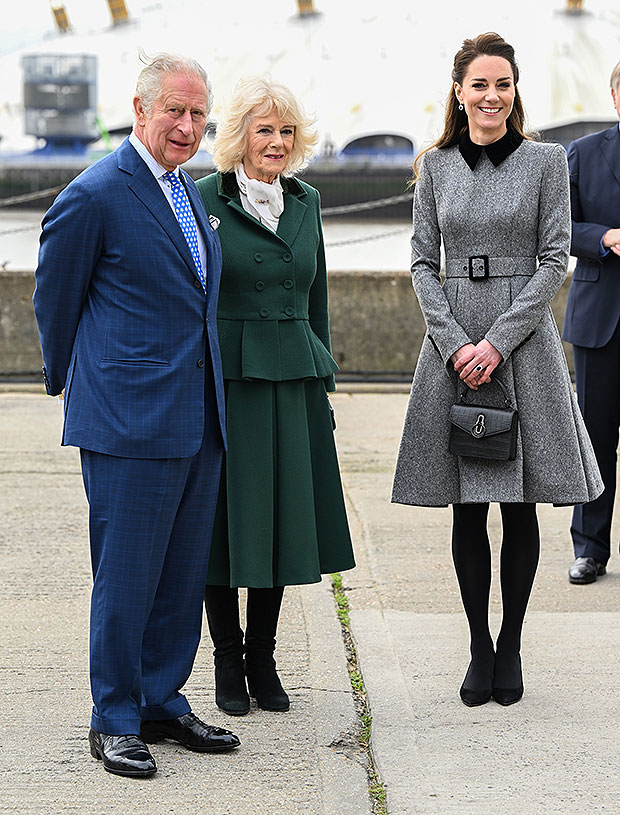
(497, 151)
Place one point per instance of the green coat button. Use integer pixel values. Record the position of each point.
(259, 285)
(287, 257)
(288, 284)
(289, 311)
(258, 257)
(264, 312)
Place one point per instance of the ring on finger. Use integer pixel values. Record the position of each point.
(478, 368)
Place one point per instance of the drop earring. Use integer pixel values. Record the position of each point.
(460, 107)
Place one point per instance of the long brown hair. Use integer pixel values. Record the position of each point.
(455, 122)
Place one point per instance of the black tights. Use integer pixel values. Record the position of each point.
(471, 552)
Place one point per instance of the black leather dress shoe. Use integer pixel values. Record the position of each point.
(122, 755)
(189, 731)
(585, 570)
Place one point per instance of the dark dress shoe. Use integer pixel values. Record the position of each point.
(512, 673)
(122, 755)
(585, 570)
(478, 680)
(189, 731)
(473, 698)
(507, 696)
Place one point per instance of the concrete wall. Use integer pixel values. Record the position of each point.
(19, 340)
(376, 324)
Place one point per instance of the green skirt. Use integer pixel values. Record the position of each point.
(280, 518)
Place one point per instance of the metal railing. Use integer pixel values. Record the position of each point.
(326, 212)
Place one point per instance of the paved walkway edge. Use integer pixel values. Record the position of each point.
(393, 743)
(342, 763)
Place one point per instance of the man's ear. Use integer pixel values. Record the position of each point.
(139, 110)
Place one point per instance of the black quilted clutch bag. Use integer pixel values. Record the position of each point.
(484, 431)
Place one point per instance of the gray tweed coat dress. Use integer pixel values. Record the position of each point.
(517, 214)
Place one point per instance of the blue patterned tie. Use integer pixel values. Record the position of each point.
(186, 220)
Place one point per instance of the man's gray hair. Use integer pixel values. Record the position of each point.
(152, 75)
(615, 77)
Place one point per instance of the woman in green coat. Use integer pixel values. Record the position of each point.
(281, 517)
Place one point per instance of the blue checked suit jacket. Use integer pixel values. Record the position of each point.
(124, 322)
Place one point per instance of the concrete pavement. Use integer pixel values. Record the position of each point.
(554, 752)
(305, 761)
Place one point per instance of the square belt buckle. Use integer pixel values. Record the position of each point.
(478, 267)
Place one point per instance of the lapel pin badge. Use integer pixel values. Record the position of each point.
(214, 221)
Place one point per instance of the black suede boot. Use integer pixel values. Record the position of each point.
(222, 606)
(264, 684)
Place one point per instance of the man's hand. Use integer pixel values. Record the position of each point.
(611, 240)
(475, 363)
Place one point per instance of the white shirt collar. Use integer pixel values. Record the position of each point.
(262, 200)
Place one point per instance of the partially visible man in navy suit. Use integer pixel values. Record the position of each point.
(125, 301)
(592, 326)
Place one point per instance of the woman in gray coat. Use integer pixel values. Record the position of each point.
(500, 203)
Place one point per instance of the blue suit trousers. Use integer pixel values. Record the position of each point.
(597, 374)
(150, 533)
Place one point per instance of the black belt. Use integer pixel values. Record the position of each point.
(479, 267)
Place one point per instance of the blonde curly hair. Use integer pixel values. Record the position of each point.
(258, 96)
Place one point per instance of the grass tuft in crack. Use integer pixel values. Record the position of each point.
(376, 789)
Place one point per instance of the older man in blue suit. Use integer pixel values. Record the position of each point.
(592, 325)
(125, 300)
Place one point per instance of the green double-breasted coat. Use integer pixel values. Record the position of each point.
(281, 518)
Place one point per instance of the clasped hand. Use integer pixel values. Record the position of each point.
(611, 240)
(470, 357)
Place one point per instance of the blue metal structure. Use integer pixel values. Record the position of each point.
(60, 100)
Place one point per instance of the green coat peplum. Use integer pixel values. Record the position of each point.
(272, 317)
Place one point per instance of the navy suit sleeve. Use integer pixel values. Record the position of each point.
(70, 246)
(586, 236)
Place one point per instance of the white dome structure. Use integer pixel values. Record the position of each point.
(362, 68)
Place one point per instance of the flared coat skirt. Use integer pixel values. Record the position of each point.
(555, 462)
(281, 517)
